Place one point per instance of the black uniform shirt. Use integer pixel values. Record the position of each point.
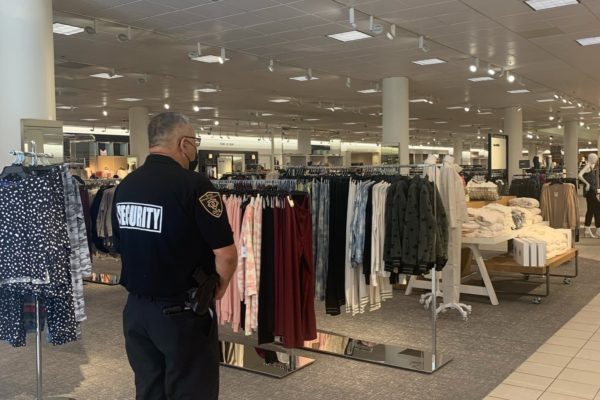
(170, 219)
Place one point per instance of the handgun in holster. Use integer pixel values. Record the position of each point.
(200, 297)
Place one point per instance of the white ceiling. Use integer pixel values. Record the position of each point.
(539, 47)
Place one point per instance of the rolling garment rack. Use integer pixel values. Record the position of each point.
(35, 161)
(383, 354)
(248, 357)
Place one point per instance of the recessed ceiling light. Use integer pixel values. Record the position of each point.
(349, 36)
(350, 123)
(528, 122)
(485, 113)
(279, 100)
(518, 91)
(205, 108)
(129, 99)
(204, 119)
(419, 101)
(538, 5)
(89, 119)
(584, 112)
(589, 41)
(481, 79)
(210, 59)
(440, 122)
(545, 100)
(66, 107)
(208, 90)
(466, 126)
(413, 119)
(303, 78)
(368, 91)
(64, 29)
(430, 61)
(266, 114)
(106, 75)
(568, 107)
(454, 108)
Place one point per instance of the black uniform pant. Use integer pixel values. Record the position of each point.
(593, 209)
(173, 357)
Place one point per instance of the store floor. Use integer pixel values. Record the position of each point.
(486, 349)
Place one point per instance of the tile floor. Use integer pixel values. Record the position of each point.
(566, 367)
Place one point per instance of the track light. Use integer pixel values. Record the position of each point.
(122, 37)
(216, 123)
(467, 108)
(271, 66)
(581, 123)
(91, 30)
(351, 17)
(556, 96)
(348, 82)
(491, 71)
(196, 108)
(551, 117)
(587, 127)
(392, 32)
(222, 58)
(564, 100)
(105, 113)
(166, 106)
(579, 104)
(474, 65)
(510, 77)
(371, 23)
(309, 75)
(422, 45)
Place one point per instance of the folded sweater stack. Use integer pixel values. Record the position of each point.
(557, 242)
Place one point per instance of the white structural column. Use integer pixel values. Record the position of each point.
(458, 149)
(513, 127)
(138, 133)
(27, 70)
(395, 115)
(571, 157)
(304, 143)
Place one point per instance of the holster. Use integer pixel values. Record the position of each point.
(200, 297)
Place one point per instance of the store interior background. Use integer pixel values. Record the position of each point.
(365, 102)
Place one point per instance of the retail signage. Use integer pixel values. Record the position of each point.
(556, 152)
(499, 152)
(524, 164)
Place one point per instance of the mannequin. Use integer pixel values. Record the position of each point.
(589, 176)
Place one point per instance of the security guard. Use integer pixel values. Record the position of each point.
(172, 224)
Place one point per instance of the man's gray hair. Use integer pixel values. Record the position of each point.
(161, 127)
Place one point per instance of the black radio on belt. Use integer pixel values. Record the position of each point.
(200, 297)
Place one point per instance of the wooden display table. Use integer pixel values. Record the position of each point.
(482, 203)
(506, 263)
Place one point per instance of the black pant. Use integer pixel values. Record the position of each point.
(174, 357)
(593, 209)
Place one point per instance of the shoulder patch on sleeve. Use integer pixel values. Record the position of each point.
(211, 201)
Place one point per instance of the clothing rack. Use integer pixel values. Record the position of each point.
(35, 158)
(388, 355)
(280, 184)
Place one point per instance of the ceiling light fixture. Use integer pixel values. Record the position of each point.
(105, 113)
(474, 67)
(196, 108)
(91, 30)
(349, 36)
(106, 75)
(209, 90)
(271, 66)
(581, 123)
(430, 61)
(579, 104)
(467, 108)
(545, 100)
(392, 32)
(589, 41)
(222, 58)
(125, 37)
(481, 79)
(307, 77)
(279, 100)
(131, 99)
(216, 123)
(518, 91)
(491, 71)
(64, 29)
(538, 5)
(419, 101)
(166, 106)
(551, 117)
(348, 82)
(510, 77)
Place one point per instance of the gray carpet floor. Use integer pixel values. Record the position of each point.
(485, 349)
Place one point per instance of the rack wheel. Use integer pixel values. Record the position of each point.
(567, 281)
(537, 300)
(526, 277)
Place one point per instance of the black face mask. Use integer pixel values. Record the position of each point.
(193, 163)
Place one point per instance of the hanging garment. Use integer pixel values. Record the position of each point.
(34, 257)
(335, 287)
(558, 203)
(266, 294)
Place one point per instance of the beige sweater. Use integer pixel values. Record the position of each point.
(559, 205)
